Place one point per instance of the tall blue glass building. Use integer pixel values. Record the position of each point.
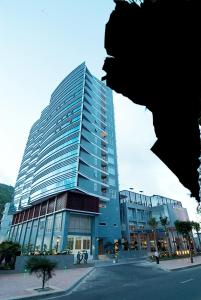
(67, 191)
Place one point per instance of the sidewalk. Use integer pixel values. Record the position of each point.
(179, 264)
(20, 286)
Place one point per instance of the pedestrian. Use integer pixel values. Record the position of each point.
(78, 257)
(116, 251)
(81, 256)
(86, 257)
(156, 254)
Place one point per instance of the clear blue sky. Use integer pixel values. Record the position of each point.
(41, 41)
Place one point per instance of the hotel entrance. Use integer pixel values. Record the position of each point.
(79, 243)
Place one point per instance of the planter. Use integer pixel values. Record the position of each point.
(63, 262)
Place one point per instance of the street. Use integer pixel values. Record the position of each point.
(138, 280)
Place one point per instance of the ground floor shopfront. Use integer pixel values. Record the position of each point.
(62, 224)
(52, 233)
(68, 222)
(145, 240)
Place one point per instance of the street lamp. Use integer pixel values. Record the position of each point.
(57, 243)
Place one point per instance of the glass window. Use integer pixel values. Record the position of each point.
(11, 232)
(56, 243)
(113, 194)
(18, 233)
(86, 244)
(23, 233)
(111, 181)
(130, 213)
(110, 150)
(49, 223)
(58, 223)
(70, 243)
(39, 239)
(48, 233)
(28, 231)
(111, 170)
(78, 243)
(110, 160)
(95, 186)
(80, 223)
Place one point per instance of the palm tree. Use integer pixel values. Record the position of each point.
(153, 224)
(196, 227)
(185, 228)
(164, 222)
(42, 267)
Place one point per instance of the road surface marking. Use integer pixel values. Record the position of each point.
(187, 280)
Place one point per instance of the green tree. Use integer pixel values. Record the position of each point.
(164, 222)
(185, 229)
(153, 224)
(42, 267)
(196, 227)
(9, 251)
(6, 195)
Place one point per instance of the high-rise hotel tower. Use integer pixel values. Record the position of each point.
(67, 187)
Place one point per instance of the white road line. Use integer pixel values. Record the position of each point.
(187, 280)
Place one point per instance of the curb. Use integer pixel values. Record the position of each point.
(177, 269)
(158, 266)
(51, 295)
(187, 267)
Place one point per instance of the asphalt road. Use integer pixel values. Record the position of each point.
(138, 281)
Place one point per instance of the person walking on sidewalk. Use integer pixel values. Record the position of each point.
(79, 257)
(116, 251)
(156, 254)
(85, 256)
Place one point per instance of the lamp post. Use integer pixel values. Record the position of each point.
(57, 243)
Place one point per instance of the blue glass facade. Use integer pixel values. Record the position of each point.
(72, 147)
(50, 161)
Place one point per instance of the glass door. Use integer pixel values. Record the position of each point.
(79, 243)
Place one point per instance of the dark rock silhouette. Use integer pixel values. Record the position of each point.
(155, 60)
